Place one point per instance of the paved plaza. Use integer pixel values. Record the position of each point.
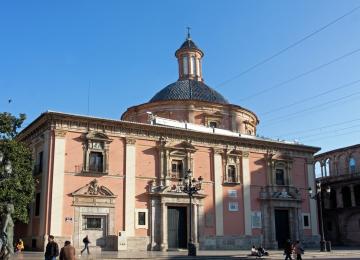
(240, 254)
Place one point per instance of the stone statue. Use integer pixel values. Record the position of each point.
(7, 232)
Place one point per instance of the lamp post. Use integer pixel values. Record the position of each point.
(190, 186)
(317, 197)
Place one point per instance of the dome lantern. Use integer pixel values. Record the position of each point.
(189, 59)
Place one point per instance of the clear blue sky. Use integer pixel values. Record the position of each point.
(51, 50)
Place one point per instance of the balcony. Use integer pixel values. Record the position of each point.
(282, 192)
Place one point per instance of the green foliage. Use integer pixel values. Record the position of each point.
(18, 186)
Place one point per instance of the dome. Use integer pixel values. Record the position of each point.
(189, 90)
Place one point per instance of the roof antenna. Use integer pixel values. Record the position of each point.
(188, 33)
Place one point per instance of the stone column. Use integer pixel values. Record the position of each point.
(219, 210)
(153, 217)
(195, 219)
(201, 222)
(353, 201)
(57, 183)
(164, 234)
(247, 194)
(313, 206)
(130, 187)
(339, 199)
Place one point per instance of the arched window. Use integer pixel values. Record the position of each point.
(318, 170)
(352, 165)
(346, 196)
(327, 167)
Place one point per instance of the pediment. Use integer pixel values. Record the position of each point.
(97, 136)
(93, 189)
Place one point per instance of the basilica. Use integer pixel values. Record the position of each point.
(119, 180)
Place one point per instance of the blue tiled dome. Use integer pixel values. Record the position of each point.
(189, 90)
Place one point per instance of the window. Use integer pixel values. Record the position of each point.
(233, 206)
(141, 218)
(37, 204)
(96, 153)
(93, 222)
(352, 165)
(96, 162)
(213, 124)
(39, 164)
(306, 220)
(231, 171)
(280, 178)
(256, 219)
(232, 193)
(185, 65)
(176, 168)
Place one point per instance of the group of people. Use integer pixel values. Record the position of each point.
(259, 252)
(67, 252)
(291, 249)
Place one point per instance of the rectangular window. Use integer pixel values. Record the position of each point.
(93, 222)
(306, 220)
(256, 219)
(185, 65)
(177, 168)
(232, 193)
(231, 173)
(233, 206)
(141, 216)
(193, 65)
(96, 162)
(280, 178)
(37, 204)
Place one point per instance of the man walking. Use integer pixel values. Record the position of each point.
(86, 244)
(67, 252)
(52, 249)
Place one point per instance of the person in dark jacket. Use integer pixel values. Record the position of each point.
(288, 250)
(86, 245)
(67, 252)
(52, 249)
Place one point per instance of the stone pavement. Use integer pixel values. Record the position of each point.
(240, 254)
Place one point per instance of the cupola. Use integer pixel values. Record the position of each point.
(189, 59)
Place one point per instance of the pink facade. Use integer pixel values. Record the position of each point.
(118, 181)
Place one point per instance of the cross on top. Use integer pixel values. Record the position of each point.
(188, 32)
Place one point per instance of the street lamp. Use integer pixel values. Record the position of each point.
(190, 186)
(317, 197)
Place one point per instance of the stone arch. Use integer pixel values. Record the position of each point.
(357, 194)
(342, 164)
(351, 227)
(346, 196)
(333, 203)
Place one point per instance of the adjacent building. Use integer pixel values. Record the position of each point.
(339, 170)
(117, 181)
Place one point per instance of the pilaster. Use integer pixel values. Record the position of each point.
(57, 183)
(219, 210)
(130, 186)
(313, 207)
(247, 195)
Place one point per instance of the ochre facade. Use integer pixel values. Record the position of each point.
(118, 180)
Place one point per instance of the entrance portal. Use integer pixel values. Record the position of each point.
(282, 226)
(177, 227)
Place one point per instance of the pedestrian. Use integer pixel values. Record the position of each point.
(52, 249)
(86, 244)
(298, 250)
(67, 252)
(19, 245)
(288, 249)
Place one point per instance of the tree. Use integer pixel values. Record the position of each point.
(16, 180)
